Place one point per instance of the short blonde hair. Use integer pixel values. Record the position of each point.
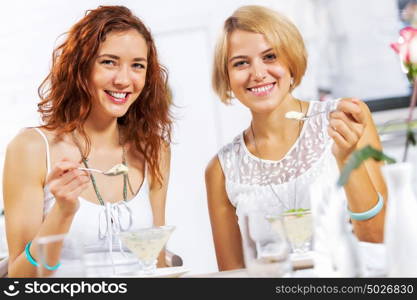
(278, 30)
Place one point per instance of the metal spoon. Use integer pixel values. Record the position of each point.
(295, 115)
(118, 169)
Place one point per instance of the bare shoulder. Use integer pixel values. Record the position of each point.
(26, 150)
(214, 169)
(27, 141)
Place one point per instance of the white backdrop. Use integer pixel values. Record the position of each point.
(185, 32)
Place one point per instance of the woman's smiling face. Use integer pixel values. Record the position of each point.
(258, 79)
(119, 72)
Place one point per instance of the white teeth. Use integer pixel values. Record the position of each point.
(262, 89)
(118, 95)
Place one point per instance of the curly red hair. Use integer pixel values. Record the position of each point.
(66, 96)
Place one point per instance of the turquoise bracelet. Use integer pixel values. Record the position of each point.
(34, 262)
(369, 213)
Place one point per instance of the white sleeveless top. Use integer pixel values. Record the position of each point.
(254, 184)
(85, 225)
(304, 178)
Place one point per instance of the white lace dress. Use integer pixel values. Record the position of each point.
(304, 178)
(254, 184)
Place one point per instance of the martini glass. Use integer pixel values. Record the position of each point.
(265, 250)
(146, 244)
(299, 230)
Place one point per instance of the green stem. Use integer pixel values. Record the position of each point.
(410, 118)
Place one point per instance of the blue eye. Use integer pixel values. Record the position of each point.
(108, 62)
(270, 57)
(240, 63)
(138, 66)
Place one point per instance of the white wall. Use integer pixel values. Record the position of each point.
(185, 32)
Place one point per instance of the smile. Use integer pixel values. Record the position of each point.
(262, 90)
(117, 97)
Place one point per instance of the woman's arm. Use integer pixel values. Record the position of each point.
(224, 222)
(352, 128)
(23, 181)
(158, 195)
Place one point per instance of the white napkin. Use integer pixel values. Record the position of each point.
(336, 247)
(374, 258)
(400, 221)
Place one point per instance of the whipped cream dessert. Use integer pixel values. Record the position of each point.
(118, 170)
(294, 115)
(299, 230)
(146, 243)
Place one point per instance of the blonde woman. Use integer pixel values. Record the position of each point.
(260, 59)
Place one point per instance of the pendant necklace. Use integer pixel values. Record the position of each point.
(112, 213)
(126, 180)
(262, 169)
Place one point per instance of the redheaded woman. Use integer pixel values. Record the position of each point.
(105, 102)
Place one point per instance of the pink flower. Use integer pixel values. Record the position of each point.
(407, 50)
(407, 45)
